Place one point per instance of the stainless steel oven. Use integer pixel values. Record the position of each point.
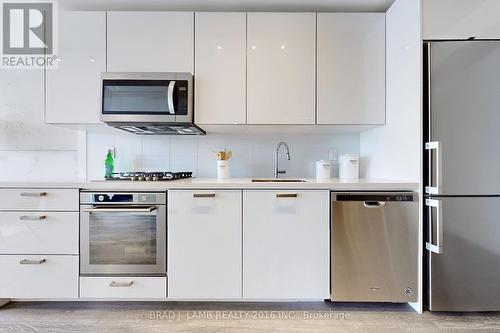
(123, 233)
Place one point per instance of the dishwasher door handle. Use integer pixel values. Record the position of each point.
(374, 204)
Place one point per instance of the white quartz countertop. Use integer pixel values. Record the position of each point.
(362, 184)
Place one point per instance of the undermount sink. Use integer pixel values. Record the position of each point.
(277, 180)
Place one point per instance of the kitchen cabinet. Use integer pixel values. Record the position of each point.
(73, 87)
(286, 244)
(39, 199)
(281, 68)
(39, 243)
(150, 41)
(220, 68)
(204, 244)
(351, 68)
(452, 19)
(39, 232)
(39, 276)
(120, 287)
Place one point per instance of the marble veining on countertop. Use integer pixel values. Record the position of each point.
(232, 183)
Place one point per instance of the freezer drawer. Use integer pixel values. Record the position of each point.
(374, 247)
(465, 275)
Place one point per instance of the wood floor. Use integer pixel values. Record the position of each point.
(127, 317)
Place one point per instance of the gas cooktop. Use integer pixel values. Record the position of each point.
(150, 176)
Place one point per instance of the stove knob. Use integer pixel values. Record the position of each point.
(100, 198)
(155, 178)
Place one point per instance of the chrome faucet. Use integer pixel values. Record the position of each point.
(277, 170)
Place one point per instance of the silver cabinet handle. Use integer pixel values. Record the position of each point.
(429, 146)
(374, 204)
(438, 247)
(286, 195)
(204, 195)
(33, 194)
(32, 262)
(115, 284)
(32, 218)
(170, 97)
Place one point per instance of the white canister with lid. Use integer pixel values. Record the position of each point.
(349, 166)
(223, 169)
(323, 169)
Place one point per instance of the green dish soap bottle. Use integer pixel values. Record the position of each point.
(109, 165)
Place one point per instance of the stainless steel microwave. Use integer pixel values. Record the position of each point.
(149, 103)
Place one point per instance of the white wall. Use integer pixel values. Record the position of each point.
(393, 151)
(30, 150)
(253, 154)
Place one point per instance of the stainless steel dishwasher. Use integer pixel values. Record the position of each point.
(374, 246)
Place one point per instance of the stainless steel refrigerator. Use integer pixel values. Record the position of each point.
(462, 175)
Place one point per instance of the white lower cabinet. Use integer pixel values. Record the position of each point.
(204, 244)
(123, 287)
(39, 276)
(39, 199)
(39, 232)
(286, 245)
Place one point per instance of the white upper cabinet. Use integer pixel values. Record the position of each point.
(351, 68)
(281, 68)
(220, 65)
(452, 19)
(150, 41)
(73, 88)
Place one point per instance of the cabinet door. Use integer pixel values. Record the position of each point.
(204, 244)
(73, 88)
(220, 65)
(351, 68)
(281, 51)
(150, 41)
(286, 244)
(39, 232)
(39, 276)
(452, 19)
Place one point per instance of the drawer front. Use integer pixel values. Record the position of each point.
(38, 276)
(39, 199)
(39, 232)
(123, 287)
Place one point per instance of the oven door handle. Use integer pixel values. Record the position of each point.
(120, 210)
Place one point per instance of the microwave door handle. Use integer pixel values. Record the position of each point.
(170, 97)
(120, 210)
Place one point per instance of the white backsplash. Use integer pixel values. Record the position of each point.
(253, 154)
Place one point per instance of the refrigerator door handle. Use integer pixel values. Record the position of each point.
(438, 247)
(429, 146)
